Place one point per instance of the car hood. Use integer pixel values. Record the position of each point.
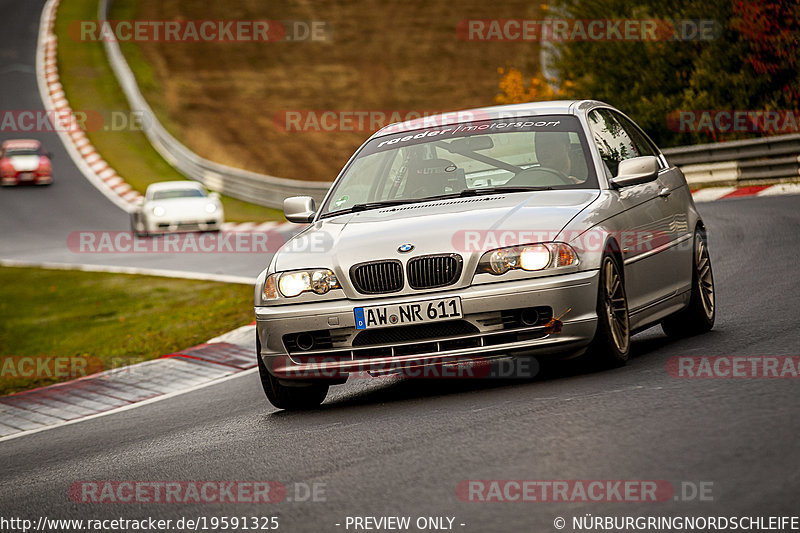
(463, 225)
(24, 163)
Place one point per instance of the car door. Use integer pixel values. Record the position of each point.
(674, 201)
(643, 224)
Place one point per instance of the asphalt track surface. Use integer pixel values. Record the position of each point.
(400, 447)
(36, 222)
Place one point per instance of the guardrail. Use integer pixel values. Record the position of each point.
(745, 162)
(242, 184)
(775, 158)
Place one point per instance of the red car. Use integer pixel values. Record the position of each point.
(25, 161)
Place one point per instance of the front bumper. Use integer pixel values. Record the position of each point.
(210, 223)
(571, 297)
(26, 177)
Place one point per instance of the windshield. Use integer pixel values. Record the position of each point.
(178, 193)
(541, 152)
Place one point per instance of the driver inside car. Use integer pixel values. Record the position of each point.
(552, 151)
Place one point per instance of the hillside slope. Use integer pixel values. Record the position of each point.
(222, 99)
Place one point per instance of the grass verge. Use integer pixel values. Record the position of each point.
(90, 85)
(111, 320)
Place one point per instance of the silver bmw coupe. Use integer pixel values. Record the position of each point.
(551, 228)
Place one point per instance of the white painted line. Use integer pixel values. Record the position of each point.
(712, 193)
(781, 188)
(244, 226)
(237, 336)
(291, 227)
(99, 165)
(266, 226)
(132, 406)
(107, 174)
(224, 278)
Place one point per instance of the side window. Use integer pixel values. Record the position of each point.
(643, 146)
(612, 140)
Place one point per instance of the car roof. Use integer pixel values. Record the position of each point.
(169, 185)
(554, 107)
(21, 143)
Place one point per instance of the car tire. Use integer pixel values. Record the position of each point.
(611, 346)
(699, 315)
(290, 398)
(138, 225)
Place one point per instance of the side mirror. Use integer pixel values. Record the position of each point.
(635, 171)
(299, 209)
(213, 195)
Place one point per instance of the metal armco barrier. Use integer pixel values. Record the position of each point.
(235, 182)
(775, 158)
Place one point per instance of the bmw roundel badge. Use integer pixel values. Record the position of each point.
(403, 248)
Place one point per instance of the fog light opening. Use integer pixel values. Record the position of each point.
(529, 317)
(304, 341)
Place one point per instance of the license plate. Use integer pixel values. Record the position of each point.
(384, 316)
(26, 176)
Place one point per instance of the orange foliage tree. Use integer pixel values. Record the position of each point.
(514, 90)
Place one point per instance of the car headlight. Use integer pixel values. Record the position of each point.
(291, 284)
(210, 208)
(159, 211)
(530, 257)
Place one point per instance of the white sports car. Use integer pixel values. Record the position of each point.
(171, 206)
